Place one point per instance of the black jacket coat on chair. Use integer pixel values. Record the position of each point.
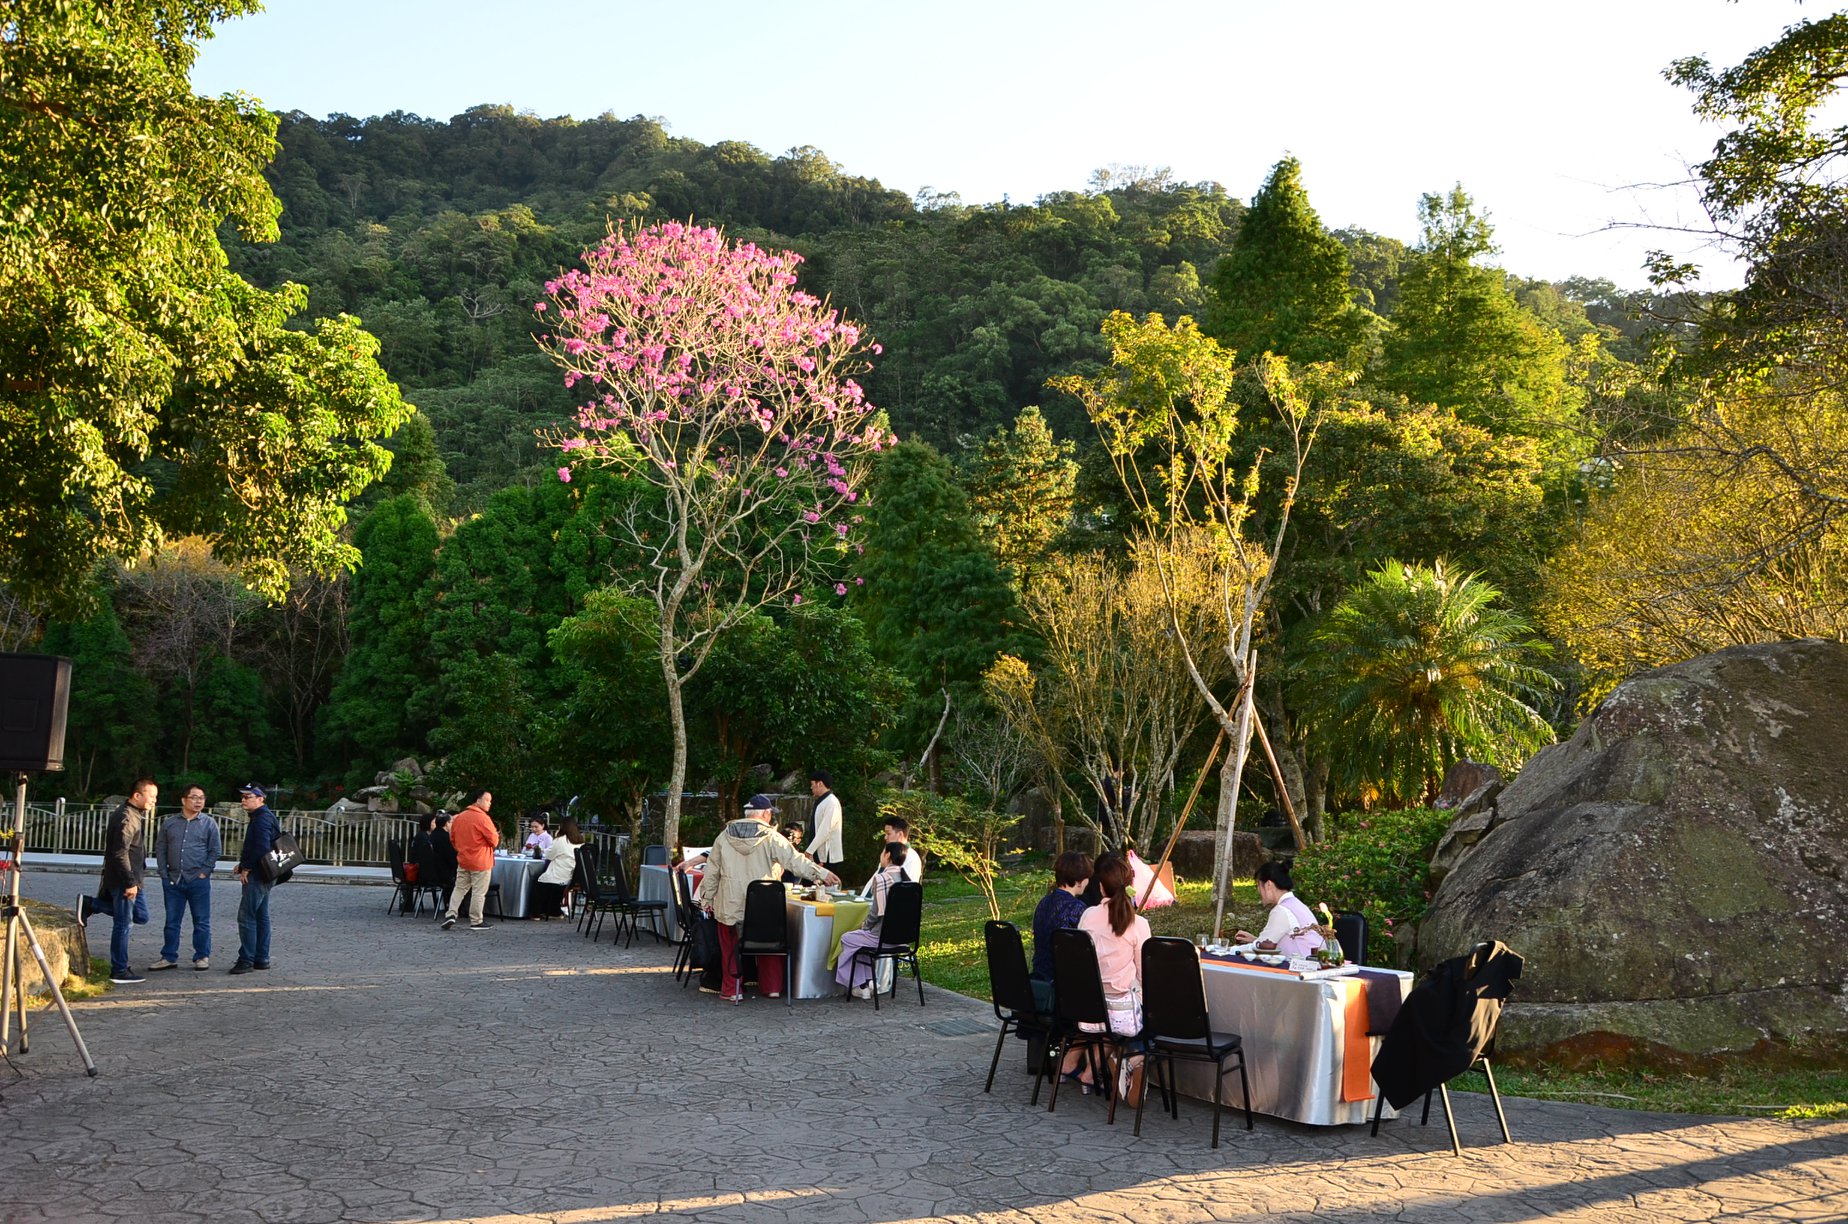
(1447, 1022)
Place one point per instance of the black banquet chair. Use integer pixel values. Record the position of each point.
(654, 856)
(766, 930)
(1351, 930)
(898, 938)
(1446, 1027)
(1175, 1025)
(629, 911)
(1078, 998)
(1010, 988)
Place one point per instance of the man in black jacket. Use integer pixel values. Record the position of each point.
(125, 857)
(253, 913)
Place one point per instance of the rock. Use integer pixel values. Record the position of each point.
(66, 951)
(1466, 778)
(1676, 875)
(343, 807)
(1193, 855)
(1475, 813)
(407, 765)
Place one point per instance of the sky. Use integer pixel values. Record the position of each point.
(1555, 117)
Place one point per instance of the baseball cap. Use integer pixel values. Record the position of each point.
(251, 788)
(760, 803)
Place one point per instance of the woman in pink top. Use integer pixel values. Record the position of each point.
(1118, 933)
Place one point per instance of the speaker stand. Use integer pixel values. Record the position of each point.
(12, 985)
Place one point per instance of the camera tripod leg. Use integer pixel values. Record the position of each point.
(57, 996)
(11, 991)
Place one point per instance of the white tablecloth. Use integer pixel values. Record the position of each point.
(657, 884)
(515, 877)
(1293, 1035)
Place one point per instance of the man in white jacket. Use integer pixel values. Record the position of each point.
(826, 846)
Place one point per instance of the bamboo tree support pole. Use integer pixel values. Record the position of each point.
(1175, 836)
(1283, 791)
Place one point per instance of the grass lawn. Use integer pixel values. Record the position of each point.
(954, 958)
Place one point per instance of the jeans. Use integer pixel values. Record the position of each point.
(191, 892)
(126, 913)
(253, 922)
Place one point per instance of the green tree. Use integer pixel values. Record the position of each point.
(937, 607)
(1283, 287)
(1420, 669)
(367, 721)
(1460, 340)
(111, 723)
(1021, 486)
(493, 733)
(147, 389)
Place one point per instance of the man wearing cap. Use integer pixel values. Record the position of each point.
(253, 914)
(826, 847)
(745, 851)
(186, 853)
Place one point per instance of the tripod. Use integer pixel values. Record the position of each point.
(12, 987)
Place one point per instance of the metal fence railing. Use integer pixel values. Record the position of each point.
(82, 828)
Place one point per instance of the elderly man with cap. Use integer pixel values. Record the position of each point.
(745, 851)
(253, 912)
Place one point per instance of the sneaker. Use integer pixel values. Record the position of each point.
(447, 922)
(709, 990)
(260, 965)
(240, 967)
(204, 962)
(479, 926)
(863, 992)
(163, 963)
(775, 994)
(126, 979)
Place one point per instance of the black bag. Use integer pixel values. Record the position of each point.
(283, 858)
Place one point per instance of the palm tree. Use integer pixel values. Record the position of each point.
(1419, 669)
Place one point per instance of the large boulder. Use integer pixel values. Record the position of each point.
(1193, 855)
(1677, 873)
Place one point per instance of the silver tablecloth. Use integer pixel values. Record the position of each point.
(811, 938)
(515, 877)
(1293, 1034)
(657, 884)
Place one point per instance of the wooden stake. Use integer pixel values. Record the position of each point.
(1181, 823)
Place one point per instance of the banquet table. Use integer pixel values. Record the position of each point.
(515, 875)
(1307, 1052)
(814, 939)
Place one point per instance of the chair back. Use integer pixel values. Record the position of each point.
(394, 853)
(618, 883)
(1077, 983)
(1008, 983)
(904, 915)
(1173, 989)
(584, 875)
(683, 889)
(766, 914)
(654, 856)
(1351, 930)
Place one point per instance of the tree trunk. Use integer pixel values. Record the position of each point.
(677, 776)
(1231, 777)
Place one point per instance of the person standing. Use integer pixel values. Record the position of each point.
(186, 853)
(253, 904)
(826, 846)
(475, 839)
(745, 851)
(125, 859)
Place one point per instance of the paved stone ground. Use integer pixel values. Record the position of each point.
(386, 1071)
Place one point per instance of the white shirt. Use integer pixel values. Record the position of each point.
(825, 847)
(561, 862)
(1285, 917)
(542, 840)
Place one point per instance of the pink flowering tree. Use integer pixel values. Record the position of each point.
(707, 373)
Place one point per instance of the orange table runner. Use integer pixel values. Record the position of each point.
(1356, 1046)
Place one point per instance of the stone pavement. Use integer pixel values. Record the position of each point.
(387, 1071)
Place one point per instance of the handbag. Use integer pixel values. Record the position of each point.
(410, 873)
(283, 858)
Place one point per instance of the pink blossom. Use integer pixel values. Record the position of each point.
(840, 588)
(564, 474)
(795, 599)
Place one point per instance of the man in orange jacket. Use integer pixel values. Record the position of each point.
(475, 838)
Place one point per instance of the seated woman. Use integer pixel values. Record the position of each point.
(548, 897)
(857, 976)
(538, 840)
(1290, 929)
(438, 868)
(1059, 909)
(1118, 933)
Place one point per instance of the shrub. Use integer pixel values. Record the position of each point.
(1373, 864)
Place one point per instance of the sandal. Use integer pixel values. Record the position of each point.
(1084, 1085)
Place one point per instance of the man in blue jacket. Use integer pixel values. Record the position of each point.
(253, 916)
(187, 851)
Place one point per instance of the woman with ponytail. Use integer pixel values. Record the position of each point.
(1118, 933)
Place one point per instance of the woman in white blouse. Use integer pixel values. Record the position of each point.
(548, 896)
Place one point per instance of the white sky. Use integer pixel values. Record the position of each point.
(1550, 114)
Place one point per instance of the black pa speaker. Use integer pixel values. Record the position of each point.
(35, 696)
